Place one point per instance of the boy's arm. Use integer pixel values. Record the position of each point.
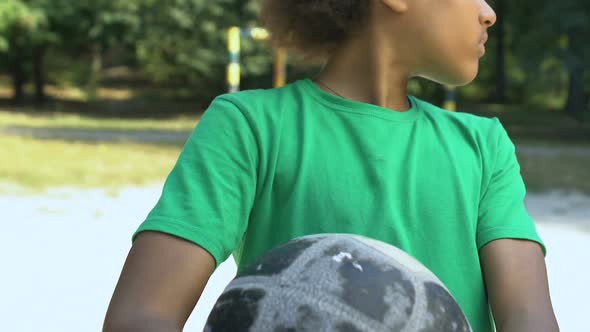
(516, 279)
(162, 279)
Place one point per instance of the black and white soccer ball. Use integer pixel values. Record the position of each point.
(336, 282)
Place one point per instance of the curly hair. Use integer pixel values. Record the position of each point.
(314, 28)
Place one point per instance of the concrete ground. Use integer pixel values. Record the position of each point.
(62, 253)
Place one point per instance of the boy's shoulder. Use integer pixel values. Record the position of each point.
(459, 119)
(260, 98)
(262, 108)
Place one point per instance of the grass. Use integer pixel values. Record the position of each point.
(38, 165)
(11, 117)
(549, 143)
(524, 122)
(35, 165)
(28, 165)
(563, 172)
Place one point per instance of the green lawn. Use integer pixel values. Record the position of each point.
(34, 165)
(37, 165)
(548, 172)
(10, 117)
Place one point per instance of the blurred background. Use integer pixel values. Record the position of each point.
(98, 97)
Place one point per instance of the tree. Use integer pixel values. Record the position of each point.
(22, 28)
(183, 42)
(499, 32)
(91, 27)
(29, 28)
(557, 29)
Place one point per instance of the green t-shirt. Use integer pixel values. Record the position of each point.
(265, 166)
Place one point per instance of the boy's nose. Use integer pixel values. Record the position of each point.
(487, 15)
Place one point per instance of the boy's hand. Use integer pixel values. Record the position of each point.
(516, 279)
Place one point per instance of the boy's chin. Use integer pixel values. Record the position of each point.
(455, 78)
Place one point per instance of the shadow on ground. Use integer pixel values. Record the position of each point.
(111, 135)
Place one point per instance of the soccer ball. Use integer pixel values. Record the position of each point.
(336, 282)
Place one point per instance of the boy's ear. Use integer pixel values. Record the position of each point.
(398, 6)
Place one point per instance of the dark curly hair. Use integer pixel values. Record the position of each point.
(314, 28)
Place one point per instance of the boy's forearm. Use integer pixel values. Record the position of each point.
(528, 323)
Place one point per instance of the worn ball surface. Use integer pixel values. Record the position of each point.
(336, 282)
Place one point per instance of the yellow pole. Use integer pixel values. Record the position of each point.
(233, 68)
(280, 75)
(450, 98)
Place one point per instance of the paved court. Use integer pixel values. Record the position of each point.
(62, 253)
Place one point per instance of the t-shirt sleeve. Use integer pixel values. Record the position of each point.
(502, 211)
(208, 195)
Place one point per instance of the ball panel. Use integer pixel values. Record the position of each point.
(347, 327)
(376, 290)
(307, 319)
(235, 310)
(446, 313)
(291, 307)
(279, 259)
(358, 276)
(400, 256)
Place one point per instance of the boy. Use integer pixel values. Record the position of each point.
(349, 152)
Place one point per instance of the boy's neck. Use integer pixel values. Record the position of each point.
(359, 71)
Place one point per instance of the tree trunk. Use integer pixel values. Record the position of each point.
(39, 74)
(576, 100)
(500, 96)
(18, 72)
(95, 71)
(240, 10)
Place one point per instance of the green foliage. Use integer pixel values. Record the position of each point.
(83, 23)
(185, 42)
(20, 23)
(544, 28)
(551, 41)
(181, 45)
